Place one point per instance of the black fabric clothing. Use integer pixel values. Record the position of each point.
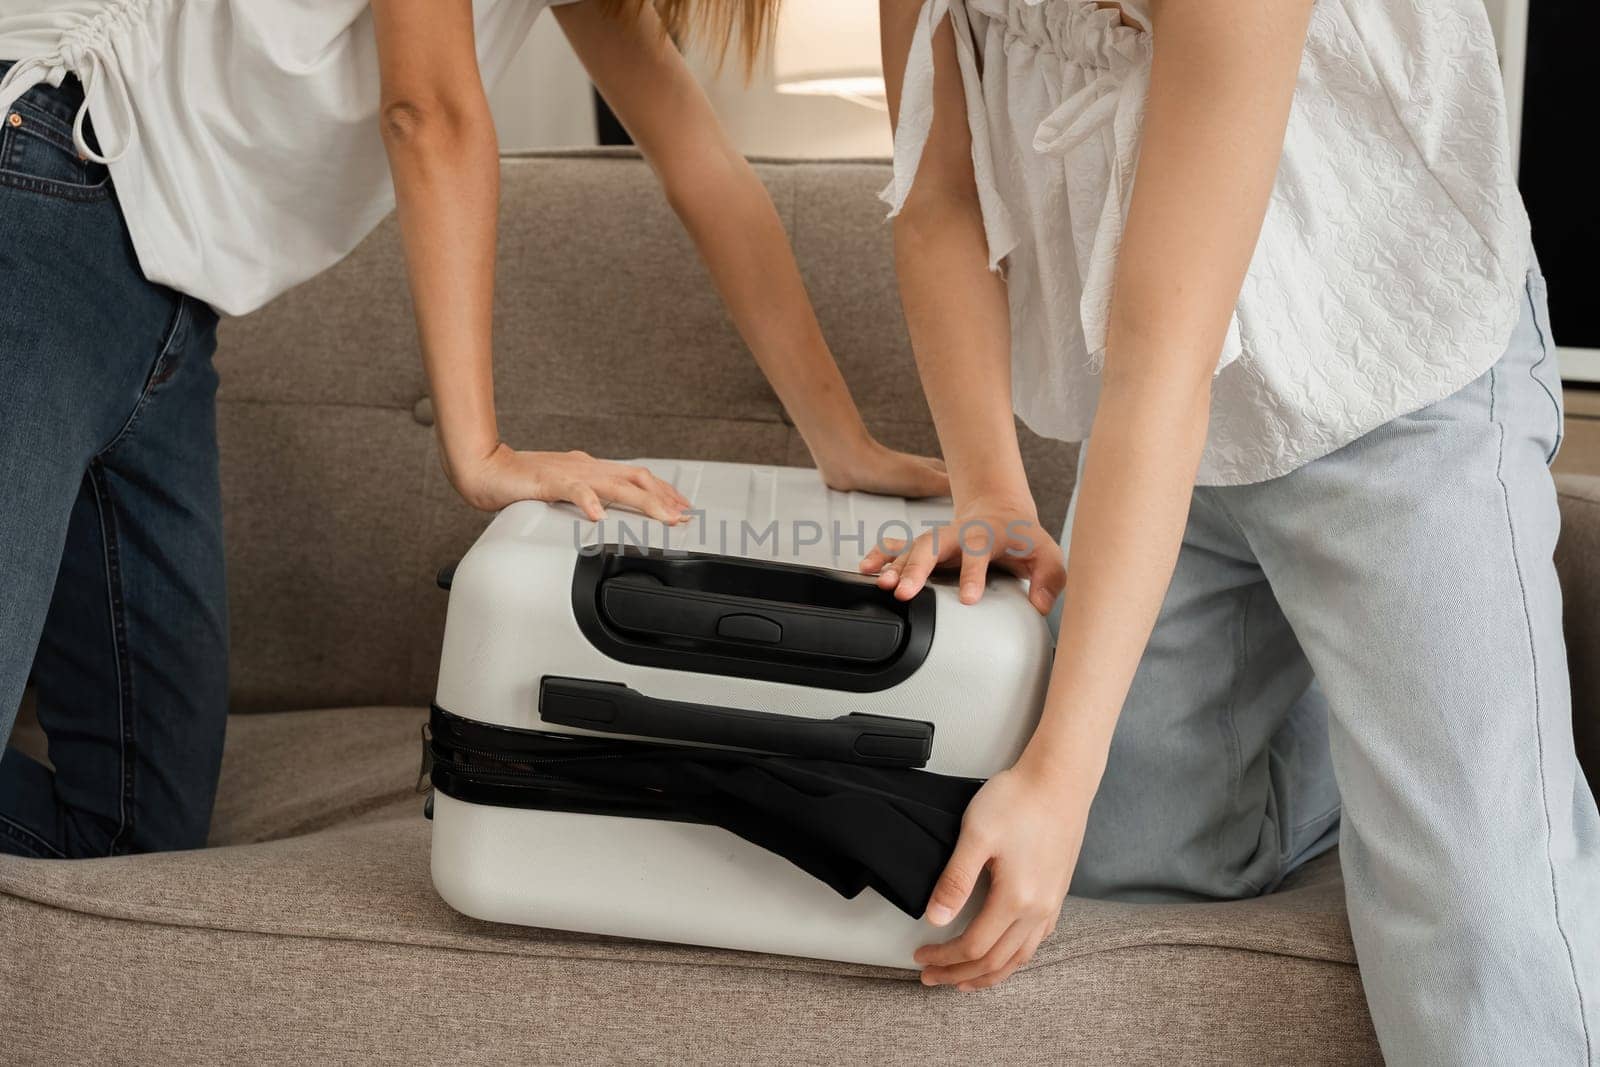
(852, 826)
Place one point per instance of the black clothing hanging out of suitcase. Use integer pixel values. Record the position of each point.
(853, 824)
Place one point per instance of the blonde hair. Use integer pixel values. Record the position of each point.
(714, 25)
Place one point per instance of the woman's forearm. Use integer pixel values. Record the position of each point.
(736, 229)
(957, 315)
(956, 308)
(446, 175)
(1132, 505)
(726, 211)
(1222, 81)
(734, 225)
(444, 159)
(445, 162)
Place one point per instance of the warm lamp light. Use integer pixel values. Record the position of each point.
(829, 48)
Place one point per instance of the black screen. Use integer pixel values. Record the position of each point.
(1559, 177)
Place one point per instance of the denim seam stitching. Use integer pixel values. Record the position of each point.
(108, 536)
(1222, 509)
(1241, 661)
(168, 344)
(1538, 724)
(17, 831)
(1335, 810)
(83, 194)
(1295, 844)
(1544, 354)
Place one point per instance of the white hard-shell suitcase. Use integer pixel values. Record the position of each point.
(547, 605)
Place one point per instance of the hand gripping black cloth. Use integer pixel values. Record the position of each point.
(854, 827)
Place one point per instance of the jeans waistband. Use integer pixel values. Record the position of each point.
(60, 103)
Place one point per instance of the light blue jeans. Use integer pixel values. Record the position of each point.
(1368, 652)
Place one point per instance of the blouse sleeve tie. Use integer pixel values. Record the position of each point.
(81, 51)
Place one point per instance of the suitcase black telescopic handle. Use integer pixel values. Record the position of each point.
(611, 707)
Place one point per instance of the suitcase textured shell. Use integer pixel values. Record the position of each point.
(512, 623)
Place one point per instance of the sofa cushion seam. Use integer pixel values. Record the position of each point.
(1114, 945)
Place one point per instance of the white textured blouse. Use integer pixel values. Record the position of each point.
(242, 135)
(1391, 263)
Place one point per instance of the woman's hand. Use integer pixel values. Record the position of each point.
(506, 476)
(871, 467)
(1003, 531)
(1026, 832)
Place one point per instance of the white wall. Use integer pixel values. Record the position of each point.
(543, 102)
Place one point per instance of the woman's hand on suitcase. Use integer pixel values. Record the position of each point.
(869, 466)
(507, 476)
(1027, 835)
(1001, 533)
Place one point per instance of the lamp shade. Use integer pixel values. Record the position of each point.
(828, 48)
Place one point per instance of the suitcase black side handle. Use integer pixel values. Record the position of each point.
(749, 618)
(612, 707)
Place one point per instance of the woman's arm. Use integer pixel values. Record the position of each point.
(957, 312)
(1221, 86)
(445, 159)
(734, 225)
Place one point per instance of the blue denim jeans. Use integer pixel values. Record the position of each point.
(111, 569)
(1368, 652)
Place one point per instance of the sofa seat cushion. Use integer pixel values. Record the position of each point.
(318, 876)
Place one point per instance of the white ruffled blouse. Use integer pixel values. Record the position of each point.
(1391, 263)
(242, 136)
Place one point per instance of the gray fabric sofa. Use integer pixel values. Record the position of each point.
(309, 931)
